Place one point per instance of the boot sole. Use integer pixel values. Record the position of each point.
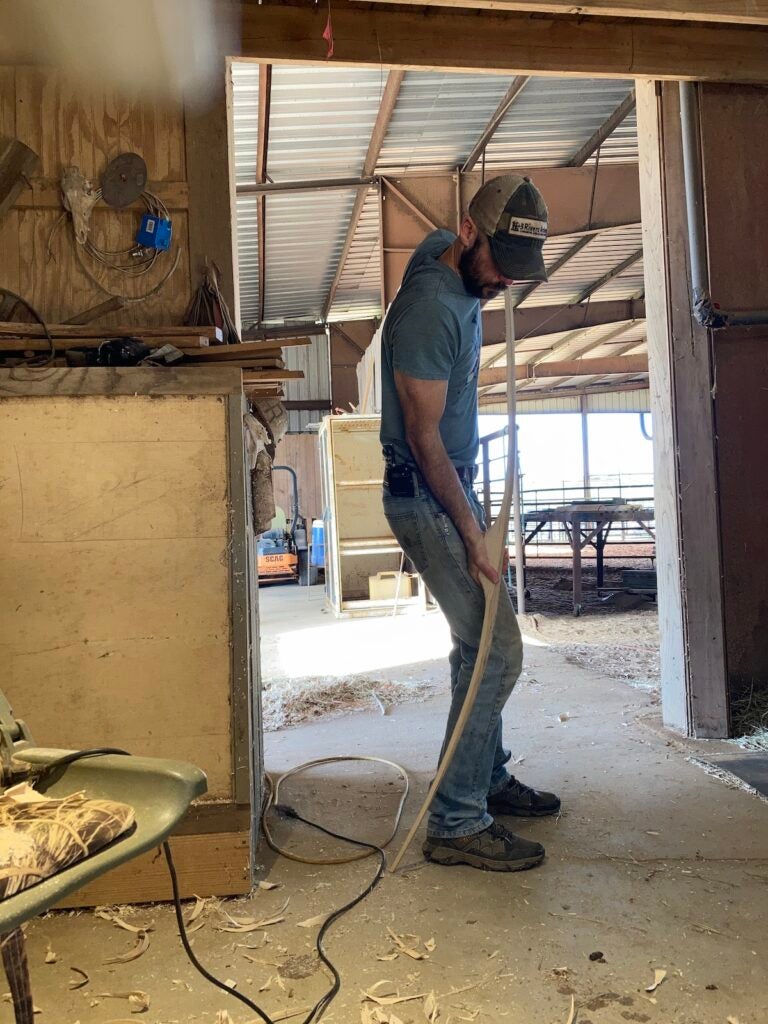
(522, 814)
(453, 858)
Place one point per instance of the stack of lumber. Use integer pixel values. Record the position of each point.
(262, 362)
(25, 337)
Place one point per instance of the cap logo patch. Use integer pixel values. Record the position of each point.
(527, 227)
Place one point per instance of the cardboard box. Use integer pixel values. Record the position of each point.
(383, 586)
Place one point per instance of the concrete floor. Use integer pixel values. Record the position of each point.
(652, 863)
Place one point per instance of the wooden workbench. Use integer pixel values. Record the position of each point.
(588, 523)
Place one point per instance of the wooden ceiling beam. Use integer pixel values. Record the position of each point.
(499, 398)
(591, 343)
(519, 82)
(383, 118)
(568, 368)
(536, 321)
(544, 358)
(734, 12)
(509, 42)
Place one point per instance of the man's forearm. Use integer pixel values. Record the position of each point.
(440, 473)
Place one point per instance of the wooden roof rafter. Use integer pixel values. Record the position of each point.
(563, 343)
(623, 350)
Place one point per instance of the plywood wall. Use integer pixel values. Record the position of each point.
(300, 452)
(349, 340)
(736, 150)
(65, 124)
(114, 580)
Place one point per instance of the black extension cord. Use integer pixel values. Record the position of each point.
(38, 361)
(324, 1002)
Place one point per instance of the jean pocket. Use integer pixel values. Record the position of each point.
(405, 526)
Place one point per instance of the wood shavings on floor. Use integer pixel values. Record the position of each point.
(290, 702)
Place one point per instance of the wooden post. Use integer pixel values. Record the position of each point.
(576, 546)
(208, 132)
(693, 670)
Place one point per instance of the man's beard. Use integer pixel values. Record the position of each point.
(470, 274)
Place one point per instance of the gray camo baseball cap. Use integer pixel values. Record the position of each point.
(511, 212)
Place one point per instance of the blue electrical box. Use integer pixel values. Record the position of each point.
(154, 232)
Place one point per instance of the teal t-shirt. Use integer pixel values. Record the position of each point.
(433, 331)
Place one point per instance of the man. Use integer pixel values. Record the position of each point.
(429, 431)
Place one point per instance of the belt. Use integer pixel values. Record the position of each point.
(467, 474)
(400, 475)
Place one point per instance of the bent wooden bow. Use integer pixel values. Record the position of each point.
(495, 540)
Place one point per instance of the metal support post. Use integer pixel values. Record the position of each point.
(509, 320)
(585, 447)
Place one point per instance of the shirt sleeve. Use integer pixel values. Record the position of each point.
(425, 341)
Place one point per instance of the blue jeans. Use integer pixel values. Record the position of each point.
(426, 533)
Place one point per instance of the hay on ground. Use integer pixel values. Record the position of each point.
(636, 664)
(290, 702)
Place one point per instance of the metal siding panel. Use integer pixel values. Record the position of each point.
(248, 257)
(313, 360)
(621, 401)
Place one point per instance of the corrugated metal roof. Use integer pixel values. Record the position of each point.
(358, 295)
(552, 118)
(622, 144)
(438, 119)
(248, 257)
(321, 121)
(305, 234)
(602, 341)
(606, 251)
(603, 253)
(245, 118)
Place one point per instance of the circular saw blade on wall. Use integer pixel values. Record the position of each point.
(124, 179)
